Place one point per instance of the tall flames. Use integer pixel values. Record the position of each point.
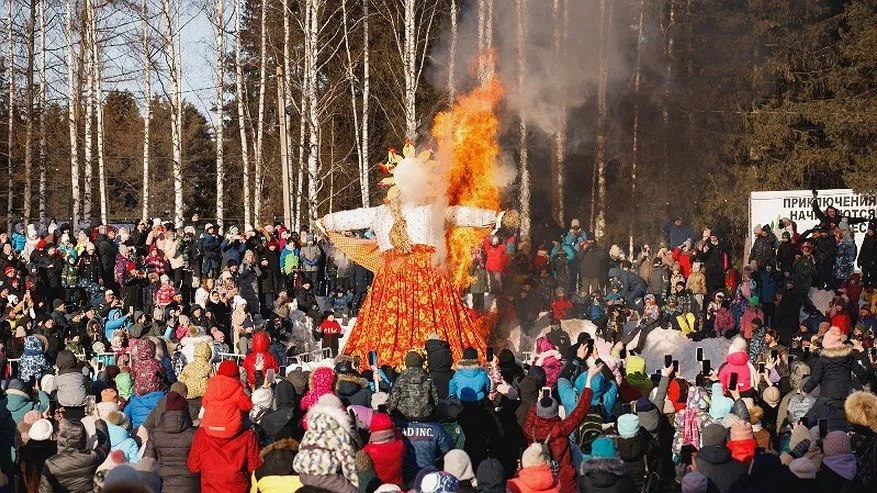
(466, 137)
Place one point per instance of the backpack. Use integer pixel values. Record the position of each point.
(590, 429)
(546, 451)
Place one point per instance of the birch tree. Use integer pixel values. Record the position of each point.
(311, 32)
(669, 41)
(172, 57)
(600, 209)
(523, 157)
(72, 104)
(240, 97)
(634, 151)
(361, 143)
(30, 39)
(452, 55)
(485, 40)
(41, 155)
(260, 122)
(99, 113)
(561, 24)
(10, 107)
(219, 104)
(147, 106)
(86, 53)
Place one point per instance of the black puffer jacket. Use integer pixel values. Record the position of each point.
(833, 371)
(439, 361)
(279, 423)
(169, 443)
(353, 390)
(722, 470)
(637, 452)
(604, 476)
(528, 393)
(72, 469)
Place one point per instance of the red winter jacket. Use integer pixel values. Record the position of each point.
(225, 464)
(743, 450)
(497, 258)
(534, 479)
(387, 457)
(684, 260)
(560, 308)
(223, 402)
(737, 362)
(331, 328)
(260, 347)
(538, 429)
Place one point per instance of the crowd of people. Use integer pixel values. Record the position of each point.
(156, 358)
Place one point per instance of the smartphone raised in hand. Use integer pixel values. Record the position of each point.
(489, 353)
(675, 364)
(761, 367)
(373, 358)
(732, 382)
(706, 368)
(668, 360)
(546, 392)
(270, 377)
(823, 427)
(699, 352)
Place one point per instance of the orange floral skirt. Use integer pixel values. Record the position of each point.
(409, 300)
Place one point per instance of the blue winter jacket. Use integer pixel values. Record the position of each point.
(605, 393)
(115, 320)
(18, 404)
(19, 240)
(120, 439)
(768, 286)
(139, 407)
(424, 443)
(470, 382)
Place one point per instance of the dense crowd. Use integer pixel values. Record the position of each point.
(158, 358)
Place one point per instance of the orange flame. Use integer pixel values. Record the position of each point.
(466, 138)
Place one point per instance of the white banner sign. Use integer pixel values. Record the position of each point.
(770, 207)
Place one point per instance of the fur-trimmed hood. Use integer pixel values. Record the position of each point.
(468, 364)
(861, 409)
(347, 384)
(283, 444)
(602, 472)
(836, 352)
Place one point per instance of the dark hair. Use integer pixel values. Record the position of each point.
(772, 333)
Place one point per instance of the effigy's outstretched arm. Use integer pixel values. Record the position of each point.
(462, 215)
(350, 220)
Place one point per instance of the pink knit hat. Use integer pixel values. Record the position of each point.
(741, 430)
(834, 338)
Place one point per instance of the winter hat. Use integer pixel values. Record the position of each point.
(180, 388)
(603, 448)
(720, 405)
(534, 456)
(836, 443)
(803, 468)
(175, 402)
(546, 408)
(387, 488)
(41, 430)
(433, 337)
(714, 434)
(861, 409)
(413, 360)
(628, 425)
(16, 384)
(229, 369)
(470, 353)
(330, 400)
(694, 482)
(834, 338)
(57, 303)
(47, 383)
(635, 364)
(737, 345)
(105, 408)
(458, 463)
(771, 396)
(643, 404)
(741, 430)
(491, 477)
(439, 482)
(262, 397)
(124, 478)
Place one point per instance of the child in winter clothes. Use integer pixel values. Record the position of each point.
(742, 443)
(71, 383)
(738, 362)
(196, 373)
(147, 371)
(696, 282)
(386, 449)
(225, 463)
(260, 358)
(120, 437)
(750, 314)
(691, 421)
(534, 476)
(326, 454)
(124, 382)
(331, 331)
(321, 381)
(223, 402)
(33, 363)
(561, 305)
(470, 382)
(549, 358)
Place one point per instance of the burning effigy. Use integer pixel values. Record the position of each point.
(438, 208)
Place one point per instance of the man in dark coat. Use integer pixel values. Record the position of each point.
(107, 251)
(72, 468)
(360, 280)
(170, 442)
(592, 266)
(208, 246)
(715, 462)
(868, 256)
(439, 361)
(763, 250)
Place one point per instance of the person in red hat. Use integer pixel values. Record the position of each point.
(386, 449)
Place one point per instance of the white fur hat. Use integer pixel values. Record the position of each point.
(41, 430)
